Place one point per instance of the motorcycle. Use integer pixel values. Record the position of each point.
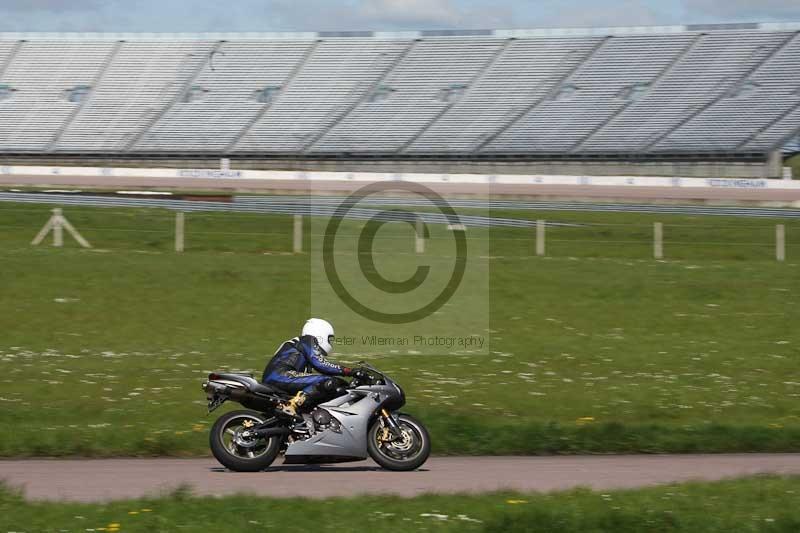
(365, 421)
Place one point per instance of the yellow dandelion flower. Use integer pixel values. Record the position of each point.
(133, 512)
(516, 502)
(147, 510)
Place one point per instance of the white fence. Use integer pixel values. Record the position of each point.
(503, 179)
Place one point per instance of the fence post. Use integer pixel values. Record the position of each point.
(780, 242)
(58, 229)
(57, 224)
(297, 245)
(419, 237)
(540, 225)
(658, 240)
(179, 231)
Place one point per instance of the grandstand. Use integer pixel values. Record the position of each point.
(723, 96)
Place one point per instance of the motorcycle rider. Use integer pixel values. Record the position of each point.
(290, 368)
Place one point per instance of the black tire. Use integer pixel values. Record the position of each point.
(420, 450)
(263, 455)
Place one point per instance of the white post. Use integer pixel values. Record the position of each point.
(58, 229)
(540, 237)
(43, 233)
(297, 246)
(780, 242)
(658, 240)
(72, 231)
(57, 224)
(180, 225)
(419, 240)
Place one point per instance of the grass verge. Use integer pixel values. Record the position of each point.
(593, 349)
(751, 504)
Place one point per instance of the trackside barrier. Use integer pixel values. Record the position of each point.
(658, 240)
(58, 223)
(302, 176)
(180, 233)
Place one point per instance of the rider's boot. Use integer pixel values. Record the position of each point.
(290, 407)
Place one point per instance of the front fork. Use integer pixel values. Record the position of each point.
(391, 428)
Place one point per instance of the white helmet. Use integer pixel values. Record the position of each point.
(322, 330)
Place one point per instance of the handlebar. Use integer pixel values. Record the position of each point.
(374, 376)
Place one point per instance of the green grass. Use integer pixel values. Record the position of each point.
(596, 348)
(748, 505)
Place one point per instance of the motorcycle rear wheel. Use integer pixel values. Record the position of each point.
(408, 454)
(236, 453)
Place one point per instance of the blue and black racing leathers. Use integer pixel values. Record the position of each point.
(290, 369)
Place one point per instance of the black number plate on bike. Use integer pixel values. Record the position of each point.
(215, 401)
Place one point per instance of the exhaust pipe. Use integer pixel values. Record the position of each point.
(250, 400)
(271, 432)
(240, 394)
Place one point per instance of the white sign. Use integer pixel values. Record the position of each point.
(520, 179)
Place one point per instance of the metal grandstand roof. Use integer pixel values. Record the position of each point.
(460, 33)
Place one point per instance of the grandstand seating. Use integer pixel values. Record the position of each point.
(523, 75)
(599, 77)
(625, 91)
(335, 75)
(140, 83)
(696, 88)
(41, 74)
(232, 79)
(429, 71)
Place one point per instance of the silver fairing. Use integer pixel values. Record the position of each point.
(354, 411)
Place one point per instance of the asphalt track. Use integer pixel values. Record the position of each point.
(96, 480)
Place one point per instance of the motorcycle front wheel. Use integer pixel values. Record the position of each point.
(403, 454)
(234, 450)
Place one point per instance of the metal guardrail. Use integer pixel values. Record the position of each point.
(523, 205)
(290, 207)
(327, 205)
